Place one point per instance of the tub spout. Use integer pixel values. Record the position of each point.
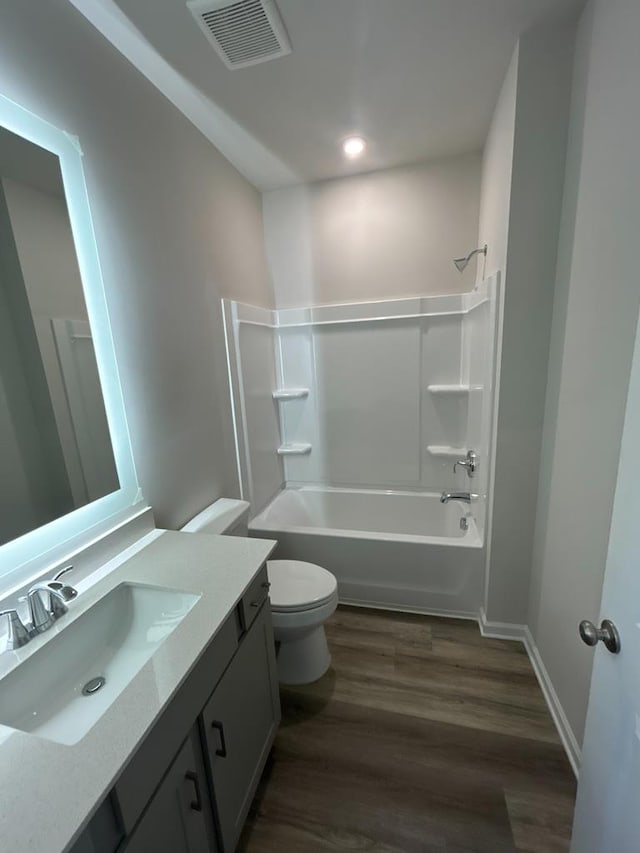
(465, 497)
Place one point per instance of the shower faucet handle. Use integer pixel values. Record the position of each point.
(470, 463)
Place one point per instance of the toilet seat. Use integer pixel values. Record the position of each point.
(297, 586)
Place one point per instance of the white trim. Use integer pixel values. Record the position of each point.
(337, 321)
(417, 611)
(382, 310)
(522, 634)
(242, 401)
(500, 630)
(498, 306)
(234, 415)
(563, 726)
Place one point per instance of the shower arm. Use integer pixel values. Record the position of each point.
(482, 251)
(462, 263)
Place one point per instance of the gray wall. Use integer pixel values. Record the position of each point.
(497, 167)
(381, 235)
(595, 314)
(533, 170)
(177, 227)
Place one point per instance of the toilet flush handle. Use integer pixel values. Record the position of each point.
(265, 585)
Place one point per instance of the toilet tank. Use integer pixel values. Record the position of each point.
(226, 517)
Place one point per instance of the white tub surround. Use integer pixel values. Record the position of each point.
(69, 781)
(403, 550)
(362, 394)
(370, 405)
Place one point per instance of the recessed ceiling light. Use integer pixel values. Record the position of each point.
(353, 146)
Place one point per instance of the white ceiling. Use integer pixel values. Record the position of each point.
(418, 78)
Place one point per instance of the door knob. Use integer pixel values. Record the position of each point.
(607, 632)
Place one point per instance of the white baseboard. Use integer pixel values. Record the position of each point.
(418, 611)
(500, 630)
(557, 712)
(521, 633)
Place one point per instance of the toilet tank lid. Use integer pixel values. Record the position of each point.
(218, 517)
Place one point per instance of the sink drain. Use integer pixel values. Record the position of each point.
(94, 685)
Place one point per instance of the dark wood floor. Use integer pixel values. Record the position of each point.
(423, 736)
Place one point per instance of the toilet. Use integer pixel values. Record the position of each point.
(303, 596)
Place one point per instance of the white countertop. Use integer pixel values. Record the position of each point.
(48, 790)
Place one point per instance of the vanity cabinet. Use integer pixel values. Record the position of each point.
(190, 784)
(104, 833)
(239, 724)
(179, 817)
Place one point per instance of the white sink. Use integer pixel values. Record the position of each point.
(111, 641)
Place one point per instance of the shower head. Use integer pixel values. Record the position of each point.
(462, 263)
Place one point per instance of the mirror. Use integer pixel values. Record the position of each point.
(56, 453)
(67, 474)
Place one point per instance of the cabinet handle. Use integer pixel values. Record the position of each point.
(222, 751)
(196, 804)
(266, 585)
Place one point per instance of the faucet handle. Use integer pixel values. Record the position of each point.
(60, 592)
(17, 634)
(64, 571)
(470, 463)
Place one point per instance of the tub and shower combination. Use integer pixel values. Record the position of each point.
(397, 549)
(349, 419)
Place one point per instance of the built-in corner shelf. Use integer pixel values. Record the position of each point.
(447, 452)
(294, 449)
(290, 393)
(453, 389)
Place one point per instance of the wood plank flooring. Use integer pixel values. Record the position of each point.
(423, 736)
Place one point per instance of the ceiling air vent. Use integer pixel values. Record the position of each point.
(244, 32)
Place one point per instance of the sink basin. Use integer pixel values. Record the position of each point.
(64, 688)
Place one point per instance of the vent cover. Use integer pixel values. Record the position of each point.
(244, 32)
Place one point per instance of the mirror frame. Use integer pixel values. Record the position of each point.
(30, 553)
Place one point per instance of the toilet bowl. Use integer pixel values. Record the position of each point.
(303, 596)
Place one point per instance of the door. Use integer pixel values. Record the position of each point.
(81, 381)
(179, 817)
(607, 818)
(239, 724)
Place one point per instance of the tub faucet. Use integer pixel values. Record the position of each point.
(465, 497)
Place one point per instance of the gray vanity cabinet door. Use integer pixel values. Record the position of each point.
(179, 817)
(239, 724)
(103, 834)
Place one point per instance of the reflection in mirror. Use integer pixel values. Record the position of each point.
(55, 449)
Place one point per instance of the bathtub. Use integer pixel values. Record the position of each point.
(397, 549)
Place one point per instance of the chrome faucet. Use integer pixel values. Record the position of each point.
(42, 614)
(469, 463)
(17, 634)
(465, 497)
(62, 591)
